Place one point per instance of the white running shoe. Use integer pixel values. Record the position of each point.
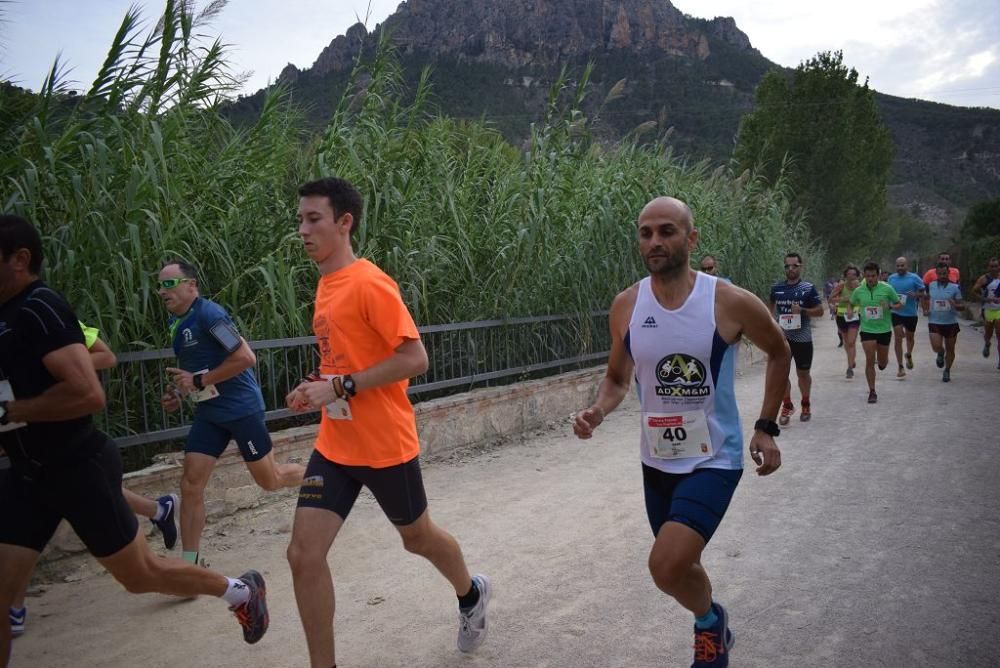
(473, 625)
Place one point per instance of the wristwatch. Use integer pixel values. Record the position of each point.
(197, 380)
(769, 427)
(349, 387)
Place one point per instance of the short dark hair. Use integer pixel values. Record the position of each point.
(17, 233)
(849, 268)
(872, 266)
(795, 255)
(187, 269)
(342, 195)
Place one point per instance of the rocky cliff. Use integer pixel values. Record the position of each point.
(517, 33)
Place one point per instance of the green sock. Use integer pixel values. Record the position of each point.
(191, 557)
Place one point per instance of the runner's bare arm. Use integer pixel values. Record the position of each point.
(236, 362)
(408, 360)
(618, 377)
(814, 311)
(102, 356)
(977, 288)
(740, 313)
(76, 393)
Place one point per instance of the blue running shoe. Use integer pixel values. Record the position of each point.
(711, 645)
(17, 618)
(252, 615)
(166, 524)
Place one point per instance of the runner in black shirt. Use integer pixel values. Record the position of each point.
(61, 466)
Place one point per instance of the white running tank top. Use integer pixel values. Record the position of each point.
(992, 292)
(684, 373)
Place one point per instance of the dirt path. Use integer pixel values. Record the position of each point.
(877, 544)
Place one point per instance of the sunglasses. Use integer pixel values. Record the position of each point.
(171, 283)
(708, 268)
(792, 266)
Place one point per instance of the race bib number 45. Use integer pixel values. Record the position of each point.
(677, 435)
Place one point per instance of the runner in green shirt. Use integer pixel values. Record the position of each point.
(874, 301)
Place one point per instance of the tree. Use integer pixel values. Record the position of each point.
(979, 237)
(825, 130)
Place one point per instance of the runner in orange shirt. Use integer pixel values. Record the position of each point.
(931, 274)
(369, 348)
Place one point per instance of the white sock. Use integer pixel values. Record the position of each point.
(160, 512)
(237, 593)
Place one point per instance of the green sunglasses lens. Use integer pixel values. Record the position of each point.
(170, 283)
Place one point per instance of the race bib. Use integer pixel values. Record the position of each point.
(338, 409)
(677, 435)
(852, 317)
(7, 394)
(902, 299)
(790, 320)
(873, 313)
(939, 305)
(209, 392)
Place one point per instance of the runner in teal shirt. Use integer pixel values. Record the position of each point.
(910, 288)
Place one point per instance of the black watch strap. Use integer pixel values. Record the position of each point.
(769, 427)
(197, 380)
(349, 387)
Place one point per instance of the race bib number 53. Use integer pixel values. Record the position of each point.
(873, 313)
(677, 435)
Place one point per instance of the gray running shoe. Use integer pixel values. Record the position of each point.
(850, 372)
(946, 376)
(472, 624)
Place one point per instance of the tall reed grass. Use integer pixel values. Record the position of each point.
(144, 166)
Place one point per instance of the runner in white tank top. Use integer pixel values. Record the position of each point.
(675, 332)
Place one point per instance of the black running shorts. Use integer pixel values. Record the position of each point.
(802, 353)
(946, 331)
(398, 489)
(87, 494)
(881, 338)
(907, 321)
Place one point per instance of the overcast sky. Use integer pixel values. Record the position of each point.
(942, 50)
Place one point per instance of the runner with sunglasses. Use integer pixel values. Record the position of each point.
(793, 302)
(215, 372)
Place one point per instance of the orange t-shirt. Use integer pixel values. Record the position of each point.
(359, 320)
(931, 275)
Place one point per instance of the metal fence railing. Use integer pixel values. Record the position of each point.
(462, 356)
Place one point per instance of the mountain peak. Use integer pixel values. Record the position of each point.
(537, 32)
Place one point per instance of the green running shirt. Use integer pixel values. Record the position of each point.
(873, 304)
